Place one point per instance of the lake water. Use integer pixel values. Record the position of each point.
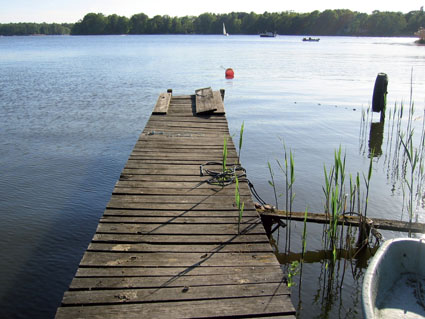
(72, 108)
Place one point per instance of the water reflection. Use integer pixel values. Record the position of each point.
(337, 282)
(376, 137)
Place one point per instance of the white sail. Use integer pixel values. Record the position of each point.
(224, 30)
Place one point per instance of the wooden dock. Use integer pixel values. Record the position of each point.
(168, 245)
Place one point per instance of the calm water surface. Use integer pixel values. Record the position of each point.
(71, 109)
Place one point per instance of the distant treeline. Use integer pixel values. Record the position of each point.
(35, 28)
(328, 22)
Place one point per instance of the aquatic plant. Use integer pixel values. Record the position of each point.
(239, 205)
(413, 159)
(292, 272)
(304, 237)
(273, 185)
(404, 159)
(288, 170)
(224, 158)
(240, 141)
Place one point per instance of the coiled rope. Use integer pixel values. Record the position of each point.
(228, 176)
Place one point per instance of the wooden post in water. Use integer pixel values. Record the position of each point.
(379, 100)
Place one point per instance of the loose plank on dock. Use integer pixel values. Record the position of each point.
(167, 245)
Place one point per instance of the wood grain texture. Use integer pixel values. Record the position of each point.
(205, 101)
(162, 104)
(171, 245)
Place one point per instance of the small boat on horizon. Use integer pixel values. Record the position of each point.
(268, 34)
(311, 39)
(224, 31)
(394, 283)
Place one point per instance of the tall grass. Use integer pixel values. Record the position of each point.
(273, 184)
(240, 141)
(239, 205)
(224, 158)
(288, 170)
(404, 160)
(337, 200)
(304, 237)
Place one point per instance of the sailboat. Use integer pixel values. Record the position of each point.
(224, 31)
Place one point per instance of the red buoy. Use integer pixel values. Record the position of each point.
(229, 73)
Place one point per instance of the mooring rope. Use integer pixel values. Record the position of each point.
(228, 176)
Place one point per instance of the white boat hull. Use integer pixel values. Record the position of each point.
(394, 283)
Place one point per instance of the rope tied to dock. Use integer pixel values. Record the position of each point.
(228, 176)
(224, 177)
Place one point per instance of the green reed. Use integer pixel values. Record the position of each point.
(240, 141)
(304, 237)
(404, 160)
(337, 199)
(292, 272)
(273, 184)
(239, 205)
(224, 158)
(288, 170)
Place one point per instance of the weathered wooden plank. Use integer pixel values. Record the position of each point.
(170, 294)
(203, 140)
(200, 116)
(162, 103)
(178, 98)
(179, 191)
(205, 100)
(166, 171)
(176, 213)
(184, 186)
(183, 130)
(180, 121)
(231, 153)
(177, 162)
(186, 277)
(149, 248)
(165, 178)
(174, 229)
(162, 259)
(114, 204)
(180, 220)
(252, 306)
(181, 156)
(172, 146)
(192, 119)
(131, 201)
(348, 220)
(180, 239)
(218, 102)
(218, 200)
(212, 166)
(163, 171)
(268, 273)
(186, 124)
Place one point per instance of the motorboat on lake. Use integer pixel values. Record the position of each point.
(268, 34)
(394, 283)
(311, 39)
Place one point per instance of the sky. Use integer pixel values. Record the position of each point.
(73, 10)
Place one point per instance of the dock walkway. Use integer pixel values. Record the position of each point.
(167, 245)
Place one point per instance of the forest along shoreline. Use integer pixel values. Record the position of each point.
(339, 22)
